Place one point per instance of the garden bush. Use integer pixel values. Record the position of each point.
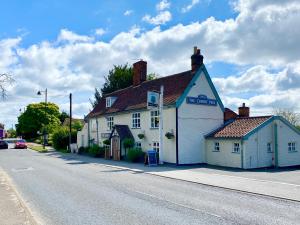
(96, 151)
(106, 142)
(60, 138)
(135, 155)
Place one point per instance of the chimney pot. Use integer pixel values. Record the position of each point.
(139, 72)
(196, 59)
(195, 50)
(244, 111)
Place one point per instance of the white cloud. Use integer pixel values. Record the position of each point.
(263, 36)
(190, 6)
(66, 35)
(100, 31)
(128, 12)
(162, 5)
(162, 18)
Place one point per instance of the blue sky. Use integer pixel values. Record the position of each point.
(250, 47)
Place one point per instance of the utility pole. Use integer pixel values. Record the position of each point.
(70, 132)
(161, 125)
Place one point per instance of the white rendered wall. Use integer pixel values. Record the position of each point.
(225, 157)
(82, 137)
(256, 154)
(195, 121)
(286, 135)
(151, 134)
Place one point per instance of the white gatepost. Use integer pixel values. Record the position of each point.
(161, 125)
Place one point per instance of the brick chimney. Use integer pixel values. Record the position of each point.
(197, 59)
(139, 72)
(229, 115)
(244, 111)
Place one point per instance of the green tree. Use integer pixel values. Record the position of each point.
(118, 78)
(97, 98)
(77, 125)
(63, 116)
(36, 118)
(152, 76)
(12, 133)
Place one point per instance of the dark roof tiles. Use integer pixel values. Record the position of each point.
(135, 97)
(239, 127)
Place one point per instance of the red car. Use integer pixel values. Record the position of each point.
(21, 144)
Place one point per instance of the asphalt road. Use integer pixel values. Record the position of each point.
(60, 189)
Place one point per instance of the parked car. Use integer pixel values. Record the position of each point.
(21, 144)
(3, 144)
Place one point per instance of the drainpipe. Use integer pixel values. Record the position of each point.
(242, 154)
(89, 133)
(276, 144)
(97, 131)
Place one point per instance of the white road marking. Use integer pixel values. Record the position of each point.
(178, 204)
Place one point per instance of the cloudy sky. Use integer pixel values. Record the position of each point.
(251, 48)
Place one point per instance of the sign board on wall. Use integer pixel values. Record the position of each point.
(201, 100)
(152, 99)
(105, 135)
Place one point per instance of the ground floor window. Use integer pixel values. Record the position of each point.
(269, 147)
(155, 146)
(217, 147)
(292, 146)
(236, 148)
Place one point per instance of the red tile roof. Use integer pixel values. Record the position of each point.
(239, 127)
(135, 97)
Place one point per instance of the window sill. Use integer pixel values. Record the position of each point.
(270, 152)
(235, 152)
(215, 151)
(292, 151)
(154, 128)
(135, 128)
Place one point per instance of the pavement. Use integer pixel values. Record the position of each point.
(13, 211)
(62, 189)
(280, 183)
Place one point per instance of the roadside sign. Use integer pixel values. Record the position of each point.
(152, 158)
(152, 99)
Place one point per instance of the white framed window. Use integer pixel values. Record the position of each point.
(138, 144)
(154, 115)
(217, 147)
(136, 120)
(292, 147)
(155, 146)
(110, 122)
(236, 148)
(110, 101)
(269, 147)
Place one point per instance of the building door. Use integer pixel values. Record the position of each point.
(115, 147)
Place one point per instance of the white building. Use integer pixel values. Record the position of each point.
(253, 142)
(192, 109)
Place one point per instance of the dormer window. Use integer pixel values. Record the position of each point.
(110, 101)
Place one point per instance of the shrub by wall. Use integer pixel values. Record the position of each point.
(135, 155)
(60, 138)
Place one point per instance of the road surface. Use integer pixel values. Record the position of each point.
(60, 189)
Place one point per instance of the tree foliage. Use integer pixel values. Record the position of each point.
(38, 117)
(118, 78)
(97, 98)
(289, 115)
(63, 116)
(5, 79)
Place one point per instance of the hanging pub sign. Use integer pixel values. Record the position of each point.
(152, 99)
(201, 100)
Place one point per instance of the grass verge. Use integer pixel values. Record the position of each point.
(37, 148)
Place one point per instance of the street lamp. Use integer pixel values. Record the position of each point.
(44, 131)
